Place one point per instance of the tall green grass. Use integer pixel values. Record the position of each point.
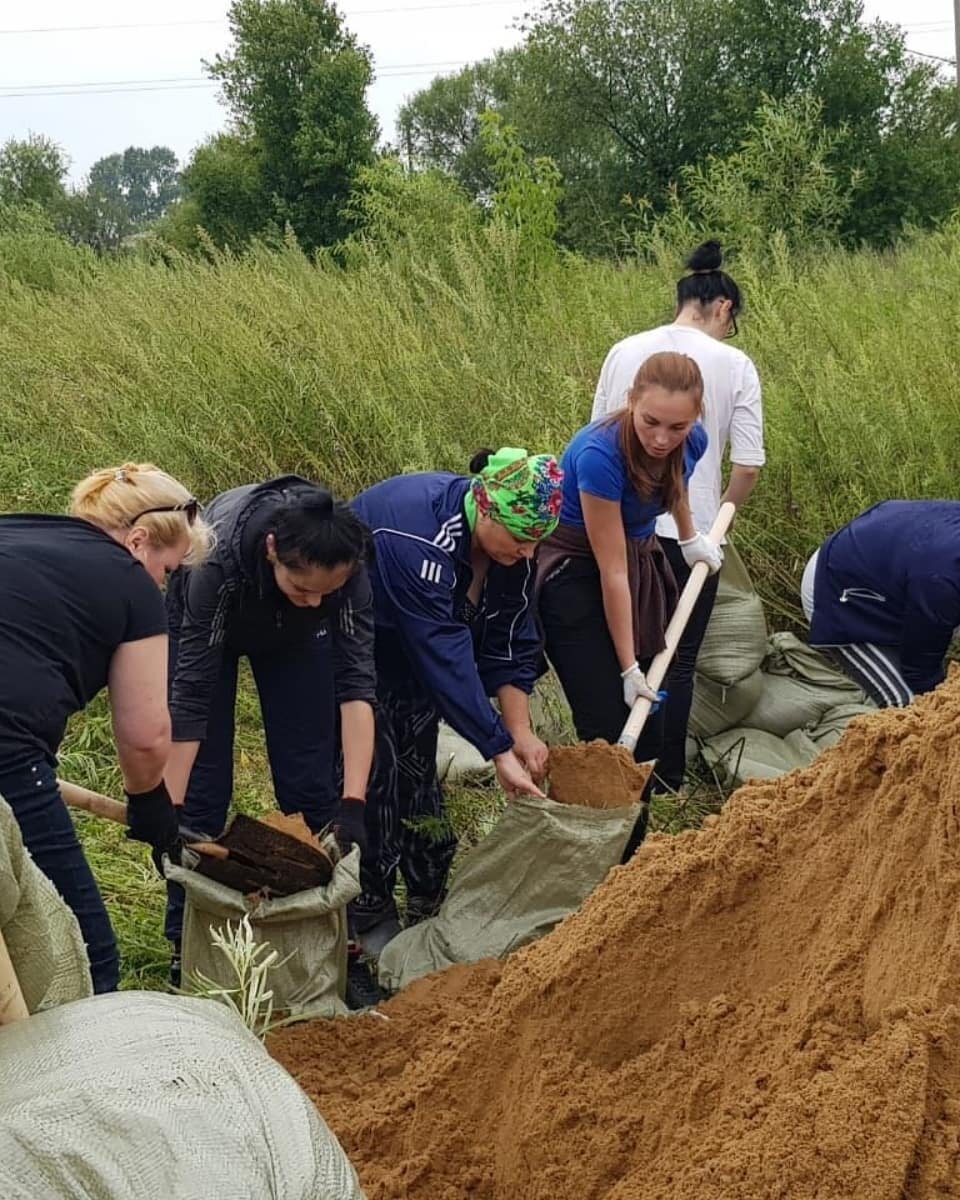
(237, 369)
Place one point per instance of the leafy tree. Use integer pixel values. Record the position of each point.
(224, 194)
(142, 182)
(295, 82)
(32, 170)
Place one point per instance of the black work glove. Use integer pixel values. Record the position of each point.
(350, 825)
(152, 818)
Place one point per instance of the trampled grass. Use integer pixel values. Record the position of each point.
(240, 369)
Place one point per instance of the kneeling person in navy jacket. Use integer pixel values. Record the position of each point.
(883, 596)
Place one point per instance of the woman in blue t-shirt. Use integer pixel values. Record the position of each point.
(606, 588)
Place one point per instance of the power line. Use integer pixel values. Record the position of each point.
(935, 57)
(392, 71)
(354, 12)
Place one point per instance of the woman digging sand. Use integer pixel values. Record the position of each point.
(452, 585)
(81, 609)
(606, 587)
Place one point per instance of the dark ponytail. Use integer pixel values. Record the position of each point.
(480, 460)
(706, 282)
(314, 530)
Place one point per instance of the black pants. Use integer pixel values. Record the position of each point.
(580, 650)
(296, 692)
(48, 833)
(680, 680)
(407, 828)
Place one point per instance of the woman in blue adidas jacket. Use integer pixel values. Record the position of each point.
(882, 595)
(453, 588)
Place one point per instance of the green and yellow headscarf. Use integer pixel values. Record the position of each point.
(522, 492)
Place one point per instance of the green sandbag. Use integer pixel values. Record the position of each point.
(787, 655)
(308, 930)
(720, 706)
(536, 866)
(736, 637)
(41, 933)
(833, 724)
(741, 754)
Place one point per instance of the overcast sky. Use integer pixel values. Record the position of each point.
(412, 40)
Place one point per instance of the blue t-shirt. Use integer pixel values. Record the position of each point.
(593, 463)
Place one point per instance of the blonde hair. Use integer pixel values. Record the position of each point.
(116, 497)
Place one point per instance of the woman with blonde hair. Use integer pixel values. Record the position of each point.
(606, 588)
(81, 609)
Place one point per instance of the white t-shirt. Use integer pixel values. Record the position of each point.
(732, 408)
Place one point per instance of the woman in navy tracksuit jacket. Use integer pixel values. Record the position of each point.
(883, 593)
(452, 582)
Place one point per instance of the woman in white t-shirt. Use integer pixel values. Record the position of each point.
(708, 304)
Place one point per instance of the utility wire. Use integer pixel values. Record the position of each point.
(935, 57)
(353, 12)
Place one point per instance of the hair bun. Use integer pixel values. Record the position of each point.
(318, 500)
(708, 256)
(480, 460)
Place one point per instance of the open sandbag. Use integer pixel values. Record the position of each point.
(741, 754)
(736, 637)
(538, 864)
(308, 930)
(41, 933)
(137, 1096)
(720, 706)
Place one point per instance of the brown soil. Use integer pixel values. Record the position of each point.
(763, 1009)
(597, 775)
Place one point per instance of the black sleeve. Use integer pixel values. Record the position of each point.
(203, 601)
(353, 663)
(146, 615)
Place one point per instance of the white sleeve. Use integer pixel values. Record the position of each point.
(746, 425)
(605, 399)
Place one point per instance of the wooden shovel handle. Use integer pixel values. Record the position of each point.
(678, 622)
(93, 802)
(13, 1007)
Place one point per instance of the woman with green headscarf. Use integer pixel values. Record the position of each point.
(453, 587)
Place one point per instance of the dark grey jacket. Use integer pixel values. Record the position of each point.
(232, 603)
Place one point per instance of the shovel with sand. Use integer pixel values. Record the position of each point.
(606, 776)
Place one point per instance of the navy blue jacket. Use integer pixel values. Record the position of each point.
(892, 577)
(232, 602)
(420, 578)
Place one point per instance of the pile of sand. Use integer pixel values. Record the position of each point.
(765, 1008)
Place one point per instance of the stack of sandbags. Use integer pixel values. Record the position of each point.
(728, 679)
(803, 708)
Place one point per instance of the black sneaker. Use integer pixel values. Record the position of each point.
(363, 991)
(419, 908)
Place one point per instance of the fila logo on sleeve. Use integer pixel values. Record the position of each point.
(430, 570)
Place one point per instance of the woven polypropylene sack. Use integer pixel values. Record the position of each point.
(720, 706)
(138, 1096)
(736, 637)
(536, 866)
(457, 758)
(41, 933)
(308, 930)
(741, 754)
(833, 724)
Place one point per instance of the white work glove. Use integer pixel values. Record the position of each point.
(635, 687)
(699, 548)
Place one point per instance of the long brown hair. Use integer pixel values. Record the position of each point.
(675, 373)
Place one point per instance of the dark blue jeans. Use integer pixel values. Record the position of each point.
(49, 835)
(296, 690)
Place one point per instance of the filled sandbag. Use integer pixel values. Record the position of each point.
(538, 864)
(457, 758)
(833, 724)
(741, 754)
(137, 1096)
(788, 655)
(720, 706)
(41, 933)
(736, 639)
(308, 930)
